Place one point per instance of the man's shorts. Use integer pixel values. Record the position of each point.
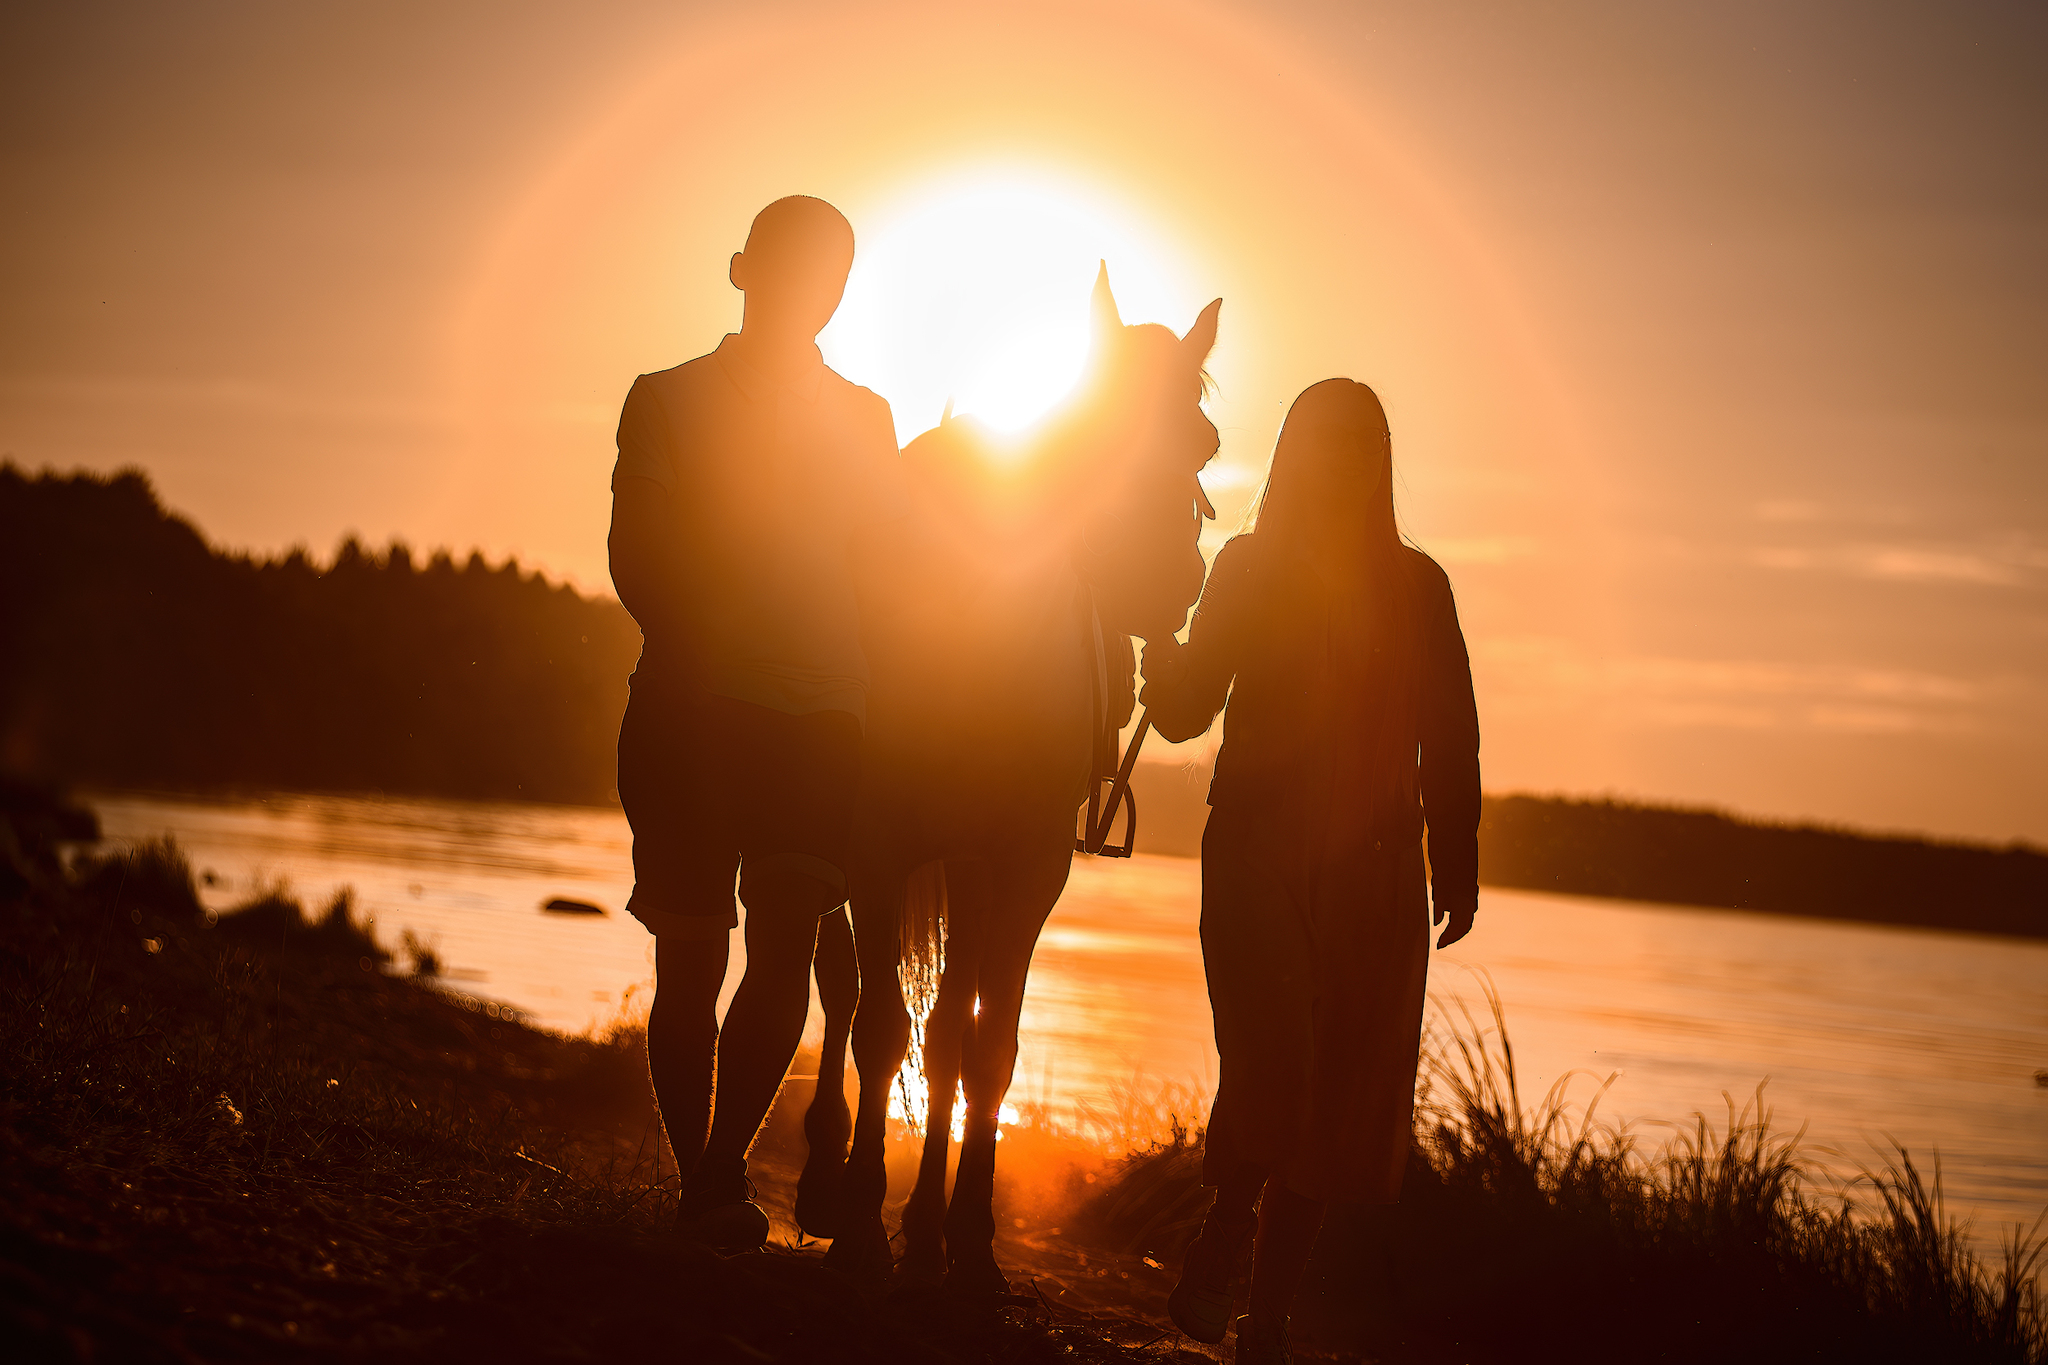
(716, 788)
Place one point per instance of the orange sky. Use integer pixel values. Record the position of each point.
(1710, 334)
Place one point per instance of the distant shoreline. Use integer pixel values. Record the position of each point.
(143, 658)
(1677, 855)
(1645, 854)
(1628, 851)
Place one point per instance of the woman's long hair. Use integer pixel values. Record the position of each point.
(1334, 441)
(1331, 423)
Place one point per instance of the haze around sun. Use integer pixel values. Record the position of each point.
(976, 290)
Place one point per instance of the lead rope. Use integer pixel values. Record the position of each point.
(1101, 817)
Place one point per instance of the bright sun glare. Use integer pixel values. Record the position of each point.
(977, 291)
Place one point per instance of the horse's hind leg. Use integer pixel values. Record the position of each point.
(1016, 916)
(881, 1037)
(828, 1123)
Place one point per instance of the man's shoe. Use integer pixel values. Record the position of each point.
(729, 1228)
(1262, 1345)
(1200, 1304)
(716, 1208)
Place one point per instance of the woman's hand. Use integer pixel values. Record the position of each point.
(1162, 661)
(1460, 925)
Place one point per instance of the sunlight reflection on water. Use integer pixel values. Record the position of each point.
(1865, 1033)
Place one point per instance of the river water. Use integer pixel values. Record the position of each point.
(1864, 1034)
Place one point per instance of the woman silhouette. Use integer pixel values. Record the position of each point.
(1350, 726)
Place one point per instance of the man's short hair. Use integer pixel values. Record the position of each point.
(798, 223)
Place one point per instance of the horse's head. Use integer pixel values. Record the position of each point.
(1142, 438)
(1104, 487)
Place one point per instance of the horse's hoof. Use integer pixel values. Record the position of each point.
(976, 1277)
(922, 1268)
(819, 1208)
(728, 1228)
(862, 1255)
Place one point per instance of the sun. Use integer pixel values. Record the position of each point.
(975, 291)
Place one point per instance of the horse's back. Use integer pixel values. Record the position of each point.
(983, 693)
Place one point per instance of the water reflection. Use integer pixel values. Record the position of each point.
(1864, 1032)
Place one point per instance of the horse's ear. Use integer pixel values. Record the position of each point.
(1107, 322)
(1201, 337)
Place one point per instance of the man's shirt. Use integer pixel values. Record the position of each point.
(773, 483)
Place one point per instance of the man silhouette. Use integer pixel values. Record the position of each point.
(748, 486)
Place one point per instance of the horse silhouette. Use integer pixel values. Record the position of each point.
(1001, 676)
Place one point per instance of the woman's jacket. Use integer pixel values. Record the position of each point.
(1350, 706)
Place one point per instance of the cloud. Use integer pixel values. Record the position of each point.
(1529, 675)
(185, 398)
(2004, 566)
(1789, 510)
(576, 414)
(1810, 511)
(1479, 549)
(1936, 566)
(1867, 720)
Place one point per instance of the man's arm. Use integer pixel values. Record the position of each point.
(645, 548)
(642, 553)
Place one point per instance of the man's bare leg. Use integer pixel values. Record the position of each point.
(760, 1034)
(682, 1039)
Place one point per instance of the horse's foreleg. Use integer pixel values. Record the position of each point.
(990, 1062)
(881, 1038)
(827, 1123)
(924, 1217)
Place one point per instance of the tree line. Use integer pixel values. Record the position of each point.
(1706, 857)
(137, 655)
(1633, 851)
(134, 654)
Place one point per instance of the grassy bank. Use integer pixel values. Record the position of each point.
(243, 1140)
(1530, 1231)
(247, 1140)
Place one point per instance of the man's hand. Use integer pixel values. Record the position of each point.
(1460, 925)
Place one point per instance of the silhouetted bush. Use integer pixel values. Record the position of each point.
(1517, 1221)
(137, 655)
(151, 877)
(36, 819)
(273, 919)
(425, 957)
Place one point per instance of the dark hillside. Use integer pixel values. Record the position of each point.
(1695, 857)
(1704, 857)
(135, 654)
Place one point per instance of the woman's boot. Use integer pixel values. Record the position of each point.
(1262, 1343)
(1200, 1304)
